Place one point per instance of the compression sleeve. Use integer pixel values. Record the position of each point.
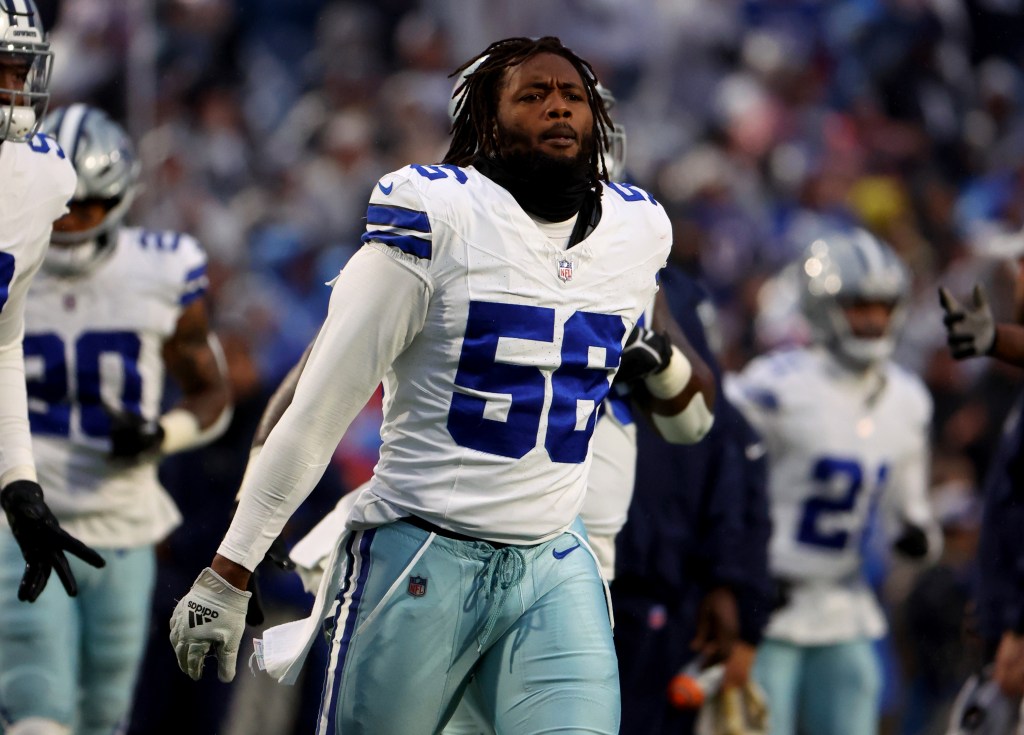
(378, 305)
(16, 462)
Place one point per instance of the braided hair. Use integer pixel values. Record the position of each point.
(475, 126)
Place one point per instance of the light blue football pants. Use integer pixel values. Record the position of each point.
(820, 690)
(415, 621)
(74, 659)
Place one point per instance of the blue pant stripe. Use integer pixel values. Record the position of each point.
(357, 553)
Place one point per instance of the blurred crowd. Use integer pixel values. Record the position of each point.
(264, 124)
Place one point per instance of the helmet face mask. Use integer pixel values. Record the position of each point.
(25, 64)
(108, 176)
(847, 272)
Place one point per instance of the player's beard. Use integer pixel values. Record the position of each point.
(547, 186)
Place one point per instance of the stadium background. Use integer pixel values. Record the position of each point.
(263, 124)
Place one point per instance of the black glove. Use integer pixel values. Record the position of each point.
(970, 330)
(42, 540)
(646, 352)
(132, 435)
(913, 542)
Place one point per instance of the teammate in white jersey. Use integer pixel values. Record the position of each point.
(493, 297)
(846, 432)
(37, 181)
(111, 311)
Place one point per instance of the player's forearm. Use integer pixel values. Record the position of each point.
(279, 401)
(346, 364)
(16, 461)
(682, 397)
(1009, 344)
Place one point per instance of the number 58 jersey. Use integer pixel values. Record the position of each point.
(96, 341)
(489, 412)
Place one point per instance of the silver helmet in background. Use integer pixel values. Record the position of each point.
(843, 268)
(25, 59)
(615, 152)
(108, 171)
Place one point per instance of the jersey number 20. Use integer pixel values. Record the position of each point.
(54, 387)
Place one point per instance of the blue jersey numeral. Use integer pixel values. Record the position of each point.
(53, 390)
(41, 144)
(574, 381)
(6, 276)
(827, 472)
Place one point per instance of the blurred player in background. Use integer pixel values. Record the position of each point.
(692, 588)
(510, 278)
(972, 331)
(37, 182)
(112, 310)
(846, 432)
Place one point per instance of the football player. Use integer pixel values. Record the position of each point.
(972, 331)
(509, 278)
(846, 431)
(113, 309)
(37, 182)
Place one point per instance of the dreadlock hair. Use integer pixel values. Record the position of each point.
(475, 128)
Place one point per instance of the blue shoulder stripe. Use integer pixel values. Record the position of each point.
(406, 243)
(409, 219)
(196, 283)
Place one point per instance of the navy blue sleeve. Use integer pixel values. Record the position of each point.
(1001, 549)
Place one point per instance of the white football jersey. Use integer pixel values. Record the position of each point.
(489, 413)
(38, 181)
(96, 340)
(840, 445)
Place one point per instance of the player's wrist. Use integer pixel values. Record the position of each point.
(20, 472)
(181, 430)
(672, 378)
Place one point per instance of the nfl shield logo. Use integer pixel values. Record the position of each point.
(417, 586)
(565, 270)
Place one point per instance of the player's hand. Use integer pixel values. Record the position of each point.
(718, 625)
(645, 353)
(209, 619)
(1008, 668)
(42, 540)
(913, 542)
(970, 329)
(131, 435)
(739, 665)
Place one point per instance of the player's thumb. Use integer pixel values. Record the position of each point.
(227, 658)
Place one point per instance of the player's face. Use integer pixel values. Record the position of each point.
(543, 108)
(868, 319)
(83, 215)
(14, 70)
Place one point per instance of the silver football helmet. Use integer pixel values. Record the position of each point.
(841, 268)
(981, 708)
(108, 170)
(615, 152)
(25, 63)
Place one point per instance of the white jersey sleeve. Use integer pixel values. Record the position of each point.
(348, 360)
(38, 180)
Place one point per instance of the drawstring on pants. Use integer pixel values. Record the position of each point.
(505, 569)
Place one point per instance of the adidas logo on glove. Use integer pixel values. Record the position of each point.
(200, 614)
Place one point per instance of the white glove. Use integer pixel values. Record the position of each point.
(210, 616)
